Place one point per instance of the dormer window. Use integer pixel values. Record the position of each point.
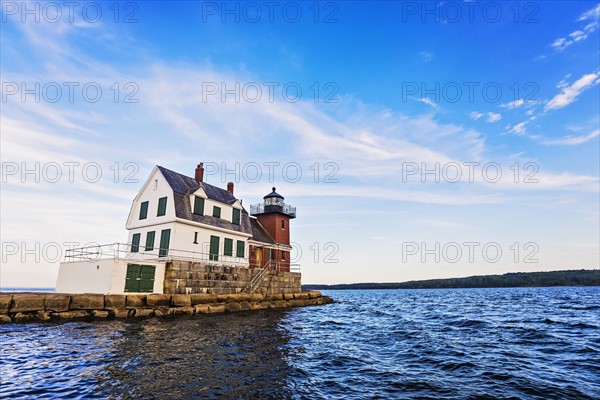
(198, 205)
(236, 217)
(216, 212)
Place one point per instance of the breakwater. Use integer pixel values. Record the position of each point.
(38, 307)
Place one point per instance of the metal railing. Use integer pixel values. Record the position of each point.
(122, 251)
(284, 208)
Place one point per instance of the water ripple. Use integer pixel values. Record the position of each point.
(437, 344)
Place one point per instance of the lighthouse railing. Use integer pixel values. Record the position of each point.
(282, 207)
(131, 251)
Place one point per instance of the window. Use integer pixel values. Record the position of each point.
(239, 251)
(195, 237)
(282, 224)
(165, 236)
(198, 205)
(162, 206)
(236, 216)
(271, 254)
(135, 242)
(228, 250)
(214, 248)
(144, 210)
(150, 241)
(216, 212)
(139, 278)
(282, 255)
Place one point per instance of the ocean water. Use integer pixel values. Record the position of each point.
(541, 343)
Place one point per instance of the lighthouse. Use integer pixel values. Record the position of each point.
(274, 216)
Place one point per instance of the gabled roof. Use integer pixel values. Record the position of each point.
(183, 210)
(185, 185)
(259, 233)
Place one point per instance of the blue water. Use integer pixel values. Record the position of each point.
(458, 343)
(26, 289)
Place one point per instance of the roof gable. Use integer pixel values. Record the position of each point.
(184, 185)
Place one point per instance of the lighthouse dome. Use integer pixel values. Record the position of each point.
(273, 194)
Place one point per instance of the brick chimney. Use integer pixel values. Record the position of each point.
(230, 187)
(199, 176)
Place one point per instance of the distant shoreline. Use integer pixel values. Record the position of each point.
(582, 277)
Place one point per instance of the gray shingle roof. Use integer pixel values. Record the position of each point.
(259, 233)
(183, 186)
(186, 185)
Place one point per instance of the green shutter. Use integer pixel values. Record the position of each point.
(216, 212)
(144, 210)
(150, 241)
(236, 216)
(240, 249)
(214, 248)
(132, 283)
(228, 251)
(162, 206)
(135, 242)
(198, 205)
(139, 278)
(165, 236)
(147, 278)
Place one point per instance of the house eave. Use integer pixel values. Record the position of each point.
(214, 228)
(269, 245)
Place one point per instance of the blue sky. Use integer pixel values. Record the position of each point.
(375, 92)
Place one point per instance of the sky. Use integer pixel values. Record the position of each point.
(417, 140)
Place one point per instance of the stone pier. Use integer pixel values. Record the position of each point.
(38, 307)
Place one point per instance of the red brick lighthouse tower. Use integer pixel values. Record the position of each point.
(274, 216)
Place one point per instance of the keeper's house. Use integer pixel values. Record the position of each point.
(188, 236)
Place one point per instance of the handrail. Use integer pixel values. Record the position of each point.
(282, 207)
(260, 274)
(122, 251)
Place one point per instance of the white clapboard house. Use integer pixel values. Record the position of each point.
(176, 217)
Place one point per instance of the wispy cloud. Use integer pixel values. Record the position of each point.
(520, 128)
(491, 117)
(425, 56)
(570, 93)
(573, 140)
(592, 20)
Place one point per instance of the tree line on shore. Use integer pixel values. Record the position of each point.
(582, 277)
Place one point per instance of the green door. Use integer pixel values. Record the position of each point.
(139, 278)
(214, 248)
(165, 236)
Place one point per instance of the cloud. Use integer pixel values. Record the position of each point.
(513, 104)
(573, 140)
(520, 128)
(570, 93)
(592, 15)
(491, 117)
(428, 102)
(425, 56)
